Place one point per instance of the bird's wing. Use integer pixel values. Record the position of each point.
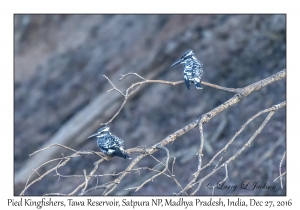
(118, 140)
(103, 142)
(197, 69)
(116, 147)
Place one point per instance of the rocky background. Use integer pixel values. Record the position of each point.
(60, 61)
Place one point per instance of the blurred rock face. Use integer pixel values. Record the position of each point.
(60, 61)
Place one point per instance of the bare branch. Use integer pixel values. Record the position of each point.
(122, 76)
(226, 176)
(272, 109)
(52, 146)
(280, 175)
(93, 188)
(109, 187)
(236, 155)
(230, 90)
(42, 176)
(158, 174)
(201, 146)
(59, 194)
(134, 87)
(114, 87)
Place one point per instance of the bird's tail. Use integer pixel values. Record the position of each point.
(121, 153)
(198, 85)
(126, 156)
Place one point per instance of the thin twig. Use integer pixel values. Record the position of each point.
(230, 90)
(226, 176)
(114, 87)
(51, 194)
(200, 154)
(42, 176)
(156, 175)
(237, 153)
(124, 75)
(52, 146)
(86, 181)
(280, 175)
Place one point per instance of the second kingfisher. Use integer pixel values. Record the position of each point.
(110, 144)
(193, 69)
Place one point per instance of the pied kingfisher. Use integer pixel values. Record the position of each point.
(110, 144)
(193, 69)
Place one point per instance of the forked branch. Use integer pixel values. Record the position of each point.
(195, 182)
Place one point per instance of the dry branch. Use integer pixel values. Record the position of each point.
(280, 175)
(135, 87)
(109, 187)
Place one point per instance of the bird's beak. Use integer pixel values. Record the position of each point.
(95, 134)
(176, 63)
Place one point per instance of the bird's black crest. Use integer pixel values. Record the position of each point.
(188, 53)
(101, 129)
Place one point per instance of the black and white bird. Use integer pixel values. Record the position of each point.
(193, 69)
(110, 144)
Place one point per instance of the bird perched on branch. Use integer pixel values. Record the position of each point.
(193, 69)
(110, 144)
